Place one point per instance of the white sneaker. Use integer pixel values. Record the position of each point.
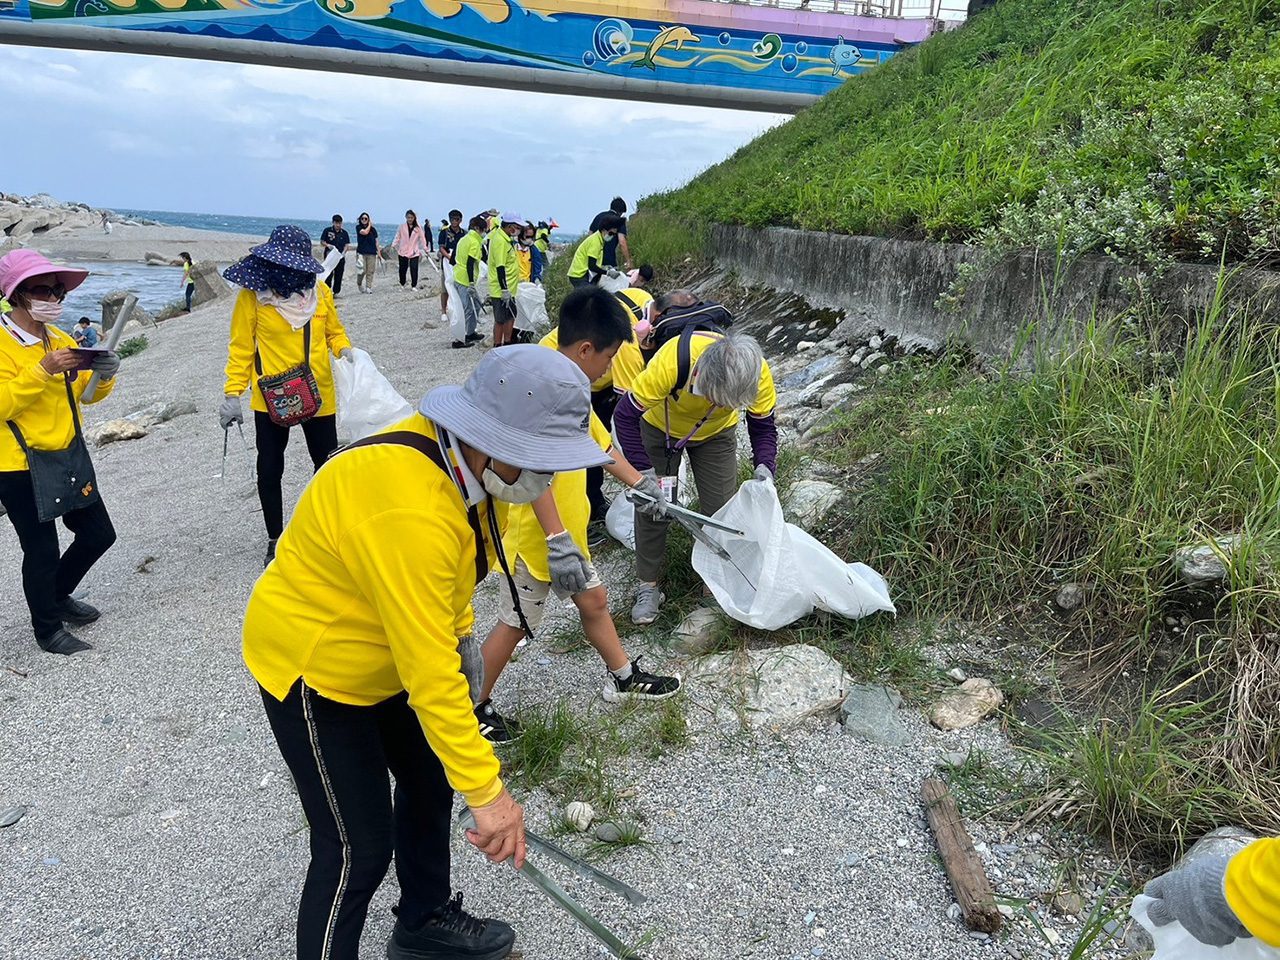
(413, 288)
(444, 319)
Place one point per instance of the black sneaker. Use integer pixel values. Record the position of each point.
(64, 642)
(639, 686)
(77, 612)
(474, 337)
(597, 534)
(494, 727)
(271, 554)
(461, 344)
(452, 934)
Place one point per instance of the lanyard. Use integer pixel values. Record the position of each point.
(680, 445)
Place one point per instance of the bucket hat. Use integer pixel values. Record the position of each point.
(289, 246)
(524, 405)
(19, 265)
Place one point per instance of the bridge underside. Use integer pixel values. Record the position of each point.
(672, 51)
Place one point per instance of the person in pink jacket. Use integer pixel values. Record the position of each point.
(411, 243)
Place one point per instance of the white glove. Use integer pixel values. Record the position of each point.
(229, 412)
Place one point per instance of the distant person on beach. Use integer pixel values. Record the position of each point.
(504, 275)
(106, 223)
(468, 256)
(588, 264)
(450, 233)
(84, 334)
(284, 326)
(411, 243)
(188, 280)
(367, 251)
(618, 208)
(335, 237)
(45, 469)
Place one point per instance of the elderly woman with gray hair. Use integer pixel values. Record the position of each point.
(663, 416)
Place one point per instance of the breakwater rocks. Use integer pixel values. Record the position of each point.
(23, 218)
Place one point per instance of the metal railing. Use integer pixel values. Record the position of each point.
(906, 9)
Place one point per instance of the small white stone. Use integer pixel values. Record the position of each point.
(579, 815)
(904, 842)
(805, 345)
(958, 675)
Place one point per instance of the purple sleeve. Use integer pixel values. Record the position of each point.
(764, 441)
(626, 421)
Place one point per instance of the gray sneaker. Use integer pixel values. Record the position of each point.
(648, 604)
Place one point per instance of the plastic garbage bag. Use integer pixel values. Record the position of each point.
(614, 284)
(620, 521)
(457, 317)
(1173, 942)
(367, 402)
(796, 572)
(531, 308)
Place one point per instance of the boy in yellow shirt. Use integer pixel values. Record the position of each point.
(593, 325)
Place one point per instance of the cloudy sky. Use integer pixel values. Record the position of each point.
(126, 131)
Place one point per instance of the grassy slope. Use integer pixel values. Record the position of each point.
(1143, 127)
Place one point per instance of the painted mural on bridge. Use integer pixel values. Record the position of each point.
(675, 41)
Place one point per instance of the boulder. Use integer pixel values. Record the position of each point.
(209, 284)
(873, 713)
(1207, 563)
(838, 395)
(114, 430)
(10, 216)
(871, 360)
(698, 632)
(966, 705)
(805, 376)
(808, 502)
(35, 221)
(111, 306)
(811, 396)
(774, 688)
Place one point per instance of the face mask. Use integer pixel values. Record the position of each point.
(529, 486)
(46, 311)
(297, 309)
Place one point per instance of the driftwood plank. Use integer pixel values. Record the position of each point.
(964, 868)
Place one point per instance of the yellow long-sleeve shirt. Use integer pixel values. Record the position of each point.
(280, 346)
(33, 398)
(1253, 889)
(372, 576)
(628, 360)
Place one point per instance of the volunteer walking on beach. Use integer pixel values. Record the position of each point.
(350, 634)
(367, 251)
(284, 326)
(468, 257)
(45, 470)
(504, 275)
(450, 233)
(335, 237)
(412, 244)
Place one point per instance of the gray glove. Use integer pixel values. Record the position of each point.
(567, 565)
(506, 297)
(472, 664)
(612, 273)
(763, 473)
(1193, 895)
(476, 292)
(229, 412)
(346, 354)
(648, 485)
(106, 364)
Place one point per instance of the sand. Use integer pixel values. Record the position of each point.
(134, 243)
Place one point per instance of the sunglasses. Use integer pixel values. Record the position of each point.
(43, 291)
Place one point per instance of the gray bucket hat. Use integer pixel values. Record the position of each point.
(524, 405)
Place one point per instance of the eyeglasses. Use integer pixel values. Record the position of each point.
(42, 291)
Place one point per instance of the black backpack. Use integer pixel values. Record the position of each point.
(684, 322)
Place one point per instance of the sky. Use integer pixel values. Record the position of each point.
(134, 132)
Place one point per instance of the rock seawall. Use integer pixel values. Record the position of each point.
(893, 287)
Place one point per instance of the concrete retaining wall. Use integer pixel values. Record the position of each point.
(893, 286)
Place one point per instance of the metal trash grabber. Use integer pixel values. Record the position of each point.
(695, 522)
(249, 468)
(691, 515)
(562, 899)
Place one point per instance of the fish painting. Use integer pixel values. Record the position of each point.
(675, 37)
(843, 55)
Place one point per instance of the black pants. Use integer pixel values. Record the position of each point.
(190, 292)
(411, 265)
(603, 403)
(582, 281)
(321, 434)
(339, 756)
(49, 576)
(335, 278)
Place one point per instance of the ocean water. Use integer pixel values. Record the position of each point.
(155, 287)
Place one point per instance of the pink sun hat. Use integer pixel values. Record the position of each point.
(19, 265)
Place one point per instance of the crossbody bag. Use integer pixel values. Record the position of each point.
(62, 480)
(292, 397)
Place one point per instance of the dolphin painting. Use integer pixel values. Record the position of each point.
(667, 37)
(843, 55)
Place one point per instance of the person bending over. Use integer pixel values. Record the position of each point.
(588, 264)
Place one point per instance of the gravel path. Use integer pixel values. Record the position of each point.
(162, 823)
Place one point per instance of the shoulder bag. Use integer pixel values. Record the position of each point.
(62, 480)
(292, 397)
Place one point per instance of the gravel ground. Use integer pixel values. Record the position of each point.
(162, 822)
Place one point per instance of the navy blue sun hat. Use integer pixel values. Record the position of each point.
(289, 246)
(283, 264)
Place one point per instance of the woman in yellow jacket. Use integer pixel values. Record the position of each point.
(284, 323)
(1220, 897)
(352, 636)
(45, 470)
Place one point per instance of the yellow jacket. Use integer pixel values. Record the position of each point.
(280, 346)
(374, 571)
(1253, 889)
(33, 398)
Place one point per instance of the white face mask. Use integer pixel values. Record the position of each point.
(528, 487)
(46, 311)
(297, 309)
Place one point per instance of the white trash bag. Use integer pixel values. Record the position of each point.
(367, 402)
(615, 284)
(531, 308)
(796, 573)
(620, 521)
(1173, 942)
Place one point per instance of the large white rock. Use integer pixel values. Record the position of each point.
(697, 633)
(1206, 564)
(114, 430)
(966, 705)
(773, 688)
(809, 501)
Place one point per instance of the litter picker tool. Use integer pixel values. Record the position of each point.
(226, 435)
(113, 338)
(557, 894)
(692, 516)
(695, 523)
